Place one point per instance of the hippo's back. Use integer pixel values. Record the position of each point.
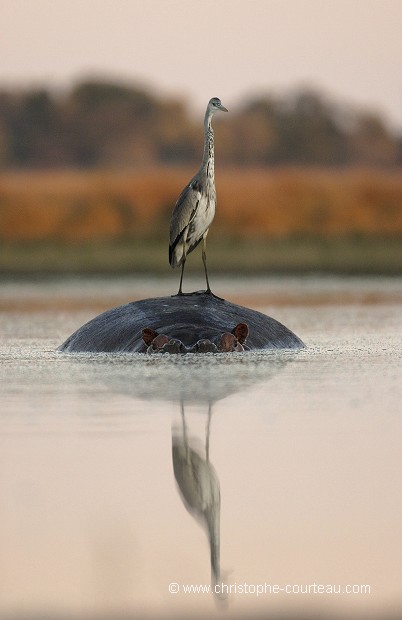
(188, 318)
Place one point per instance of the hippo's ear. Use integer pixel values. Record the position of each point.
(241, 332)
(148, 335)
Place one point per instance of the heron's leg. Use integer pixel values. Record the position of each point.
(181, 278)
(204, 260)
(182, 265)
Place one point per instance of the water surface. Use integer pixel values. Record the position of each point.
(97, 518)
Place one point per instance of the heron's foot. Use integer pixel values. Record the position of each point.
(209, 292)
(181, 294)
(206, 292)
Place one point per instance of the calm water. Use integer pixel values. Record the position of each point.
(111, 467)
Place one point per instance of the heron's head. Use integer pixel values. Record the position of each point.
(216, 104)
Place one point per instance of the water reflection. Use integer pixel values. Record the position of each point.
(198, 485)
(196, 378)
(206, 381)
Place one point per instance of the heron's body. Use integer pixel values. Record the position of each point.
(203, 195)
(195, 207)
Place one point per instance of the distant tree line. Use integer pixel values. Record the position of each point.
(108, 124)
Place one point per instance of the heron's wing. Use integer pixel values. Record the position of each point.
(184, 212)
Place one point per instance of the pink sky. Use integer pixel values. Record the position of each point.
(350, 49)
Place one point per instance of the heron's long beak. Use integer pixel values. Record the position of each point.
(222, 107)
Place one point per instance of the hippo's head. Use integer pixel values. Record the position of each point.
(223, 343)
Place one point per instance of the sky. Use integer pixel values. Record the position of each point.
(351, 50)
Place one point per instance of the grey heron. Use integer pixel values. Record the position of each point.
(195, 207)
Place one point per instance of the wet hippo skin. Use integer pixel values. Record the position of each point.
(192, 323)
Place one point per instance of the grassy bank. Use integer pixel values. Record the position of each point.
(347, 255)
(282, 220)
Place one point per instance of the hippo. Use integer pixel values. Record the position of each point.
(193, 323)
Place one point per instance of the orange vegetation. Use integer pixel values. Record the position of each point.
(80, 206)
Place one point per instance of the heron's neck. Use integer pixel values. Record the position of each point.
(208, 158)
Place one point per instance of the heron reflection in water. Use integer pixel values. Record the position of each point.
(199, 488)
